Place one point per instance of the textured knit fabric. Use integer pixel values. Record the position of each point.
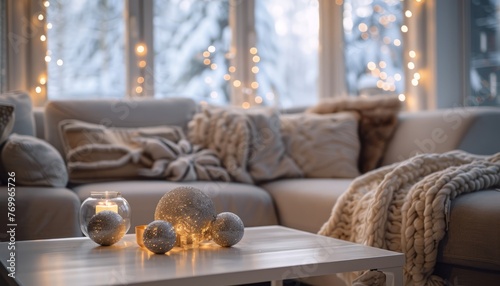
(248, 142)
(404, 207)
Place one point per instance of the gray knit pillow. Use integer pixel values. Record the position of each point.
(35, 162)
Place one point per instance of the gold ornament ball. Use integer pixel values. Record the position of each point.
(190, 212)
(159, 236)
(106, 228)
(227, 229)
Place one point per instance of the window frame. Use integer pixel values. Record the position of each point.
(138, 16)
(430, 28)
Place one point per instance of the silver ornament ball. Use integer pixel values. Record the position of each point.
(159, 236)
(106, 228)
(189, 210)
(227, 229)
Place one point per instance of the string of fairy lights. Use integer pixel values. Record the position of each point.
(413, 56)
(42, 78)
(230, 75)
(385, 81)
(141, 51)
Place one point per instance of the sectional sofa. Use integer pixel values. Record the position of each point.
(469, 254)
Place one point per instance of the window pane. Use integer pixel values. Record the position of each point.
(287, 43)
(85, 49)
(484, 52)
(373, 46)
(191, 41)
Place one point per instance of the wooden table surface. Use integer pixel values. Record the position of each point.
(264, 254)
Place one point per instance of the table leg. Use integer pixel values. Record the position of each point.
(396, 273)
(277, 283)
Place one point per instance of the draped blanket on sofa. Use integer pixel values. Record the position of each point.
(404, 207)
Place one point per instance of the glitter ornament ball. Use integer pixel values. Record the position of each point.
(106, 228)
(190, 212)
(227, 229)
(159, 236)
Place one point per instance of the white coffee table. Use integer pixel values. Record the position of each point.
(271, 253)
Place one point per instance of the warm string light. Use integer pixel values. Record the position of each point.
(208, 61)
(380, 70)
(230, 76)
(412, 68)
(385, 81)
(141, 51)
(42, 78)
(48, 54)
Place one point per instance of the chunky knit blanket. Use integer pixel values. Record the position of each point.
(404, 207)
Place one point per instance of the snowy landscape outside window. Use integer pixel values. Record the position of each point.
(287, 43)
(191, 45)
(85, 54)
(373, 46)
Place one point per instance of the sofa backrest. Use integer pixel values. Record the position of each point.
(117, 113)
(472, 129)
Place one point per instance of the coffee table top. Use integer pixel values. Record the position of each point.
(264, 254)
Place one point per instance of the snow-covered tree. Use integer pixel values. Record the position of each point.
(191, 40)
(372, 34)
(86, 49)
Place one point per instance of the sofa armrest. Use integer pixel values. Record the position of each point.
(41, 213)
(471, 129)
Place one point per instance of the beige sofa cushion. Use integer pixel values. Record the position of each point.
(252, 204)
(323, 146)
(42, 213)
(117, 113)
(439, 131)
(305, 204)
(473, 237)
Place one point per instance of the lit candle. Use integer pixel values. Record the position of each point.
(106, 207)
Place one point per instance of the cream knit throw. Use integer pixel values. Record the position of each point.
(404, 207)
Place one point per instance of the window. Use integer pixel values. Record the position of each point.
(287, 45)
(85, 54)
(484, 45)
(194, 53)
(373, 46)
(252, 52)
(192, 49)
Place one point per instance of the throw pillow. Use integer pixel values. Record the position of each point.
(35, 162)
(96, 152)
(323, 146)
(248, 142)
(6, 121)
(24, 123)
(181, 161)
(378, 120)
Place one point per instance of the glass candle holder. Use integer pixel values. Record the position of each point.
(104, 201)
